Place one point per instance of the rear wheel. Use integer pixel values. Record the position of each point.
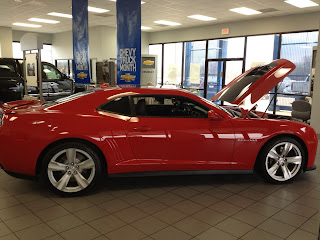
(281, 160)
(71, 169)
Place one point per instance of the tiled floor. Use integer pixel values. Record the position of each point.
(220, 207)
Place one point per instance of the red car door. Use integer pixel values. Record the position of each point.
(174, 133)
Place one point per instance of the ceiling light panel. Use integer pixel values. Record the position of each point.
(202, 18)
(64, 15)
(142, 2)
(26, 25)
(245, 11)
(43, 20)
(145, 28)
(302, 3)
(164, 22)
(97, 10)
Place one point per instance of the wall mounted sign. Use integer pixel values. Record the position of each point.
(149, 70)
(31, 70)
(129, 42)
(80, 41)
(225, 31)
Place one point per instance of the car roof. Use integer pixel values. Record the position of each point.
(144, 90)
(100, 95)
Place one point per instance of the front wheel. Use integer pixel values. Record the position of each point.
(71, 169)
(281, 160)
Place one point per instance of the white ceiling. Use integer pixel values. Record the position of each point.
(153, 10)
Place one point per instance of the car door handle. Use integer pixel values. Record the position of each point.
(142, 129)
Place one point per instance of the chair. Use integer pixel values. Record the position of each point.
(141, 107)
(301, 110)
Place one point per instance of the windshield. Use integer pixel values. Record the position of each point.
(67, 99)
(215, 105)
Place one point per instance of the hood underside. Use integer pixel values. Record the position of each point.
(253, 84)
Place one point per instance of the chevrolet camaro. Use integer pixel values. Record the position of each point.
(71, 143)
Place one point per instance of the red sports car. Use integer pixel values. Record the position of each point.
(72, 142)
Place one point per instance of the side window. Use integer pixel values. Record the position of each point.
(119, 105)
(50, 72)
(168, 106)
(7, 70)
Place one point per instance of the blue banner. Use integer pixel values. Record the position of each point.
(129, 42)
(80, 41)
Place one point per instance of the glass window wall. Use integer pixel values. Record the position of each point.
(226, 48)
(194, 64)
(261, 49)
(172, 64)
(297, 47)
(46, 52)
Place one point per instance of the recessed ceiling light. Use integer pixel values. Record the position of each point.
(26, 25)
(164, 22)
(245, 11)
(43, 20)
(142, 2)
(97, 10)
(302, 3)
(60, 15)
(145, 28)
(202, 18)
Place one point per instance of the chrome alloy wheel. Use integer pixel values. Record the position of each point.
(283, 161)
(71, 170)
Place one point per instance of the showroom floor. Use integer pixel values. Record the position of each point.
(187, 207)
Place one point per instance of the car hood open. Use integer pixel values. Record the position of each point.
(249, 87)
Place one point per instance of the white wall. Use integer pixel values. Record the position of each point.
(6, 42)
(102, 43)
(145, 42)
(291, 23)
(46, 37)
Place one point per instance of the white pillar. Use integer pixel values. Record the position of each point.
(6, 42)
(315, 111)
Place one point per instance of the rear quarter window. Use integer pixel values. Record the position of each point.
(118, 105)
(7, 70)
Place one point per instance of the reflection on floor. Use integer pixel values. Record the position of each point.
(188, 207)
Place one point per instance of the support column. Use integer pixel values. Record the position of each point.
(6, 42)
(315, 111)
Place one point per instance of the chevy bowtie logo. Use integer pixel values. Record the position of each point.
(127, 77)
(148, 62)
(82, 75)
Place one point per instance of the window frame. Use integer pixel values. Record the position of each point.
(54, 69)
(99, 108)
(169, 96)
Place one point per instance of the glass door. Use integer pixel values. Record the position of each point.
(220, 72)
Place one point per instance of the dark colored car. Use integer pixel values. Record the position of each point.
(54, 83)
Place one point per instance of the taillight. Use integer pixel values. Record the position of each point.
(1, 117)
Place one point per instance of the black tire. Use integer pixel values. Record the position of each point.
(274, 168)
(74, 169)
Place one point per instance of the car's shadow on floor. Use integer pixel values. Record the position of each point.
(122, 183)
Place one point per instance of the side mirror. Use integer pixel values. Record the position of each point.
(212, 115)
